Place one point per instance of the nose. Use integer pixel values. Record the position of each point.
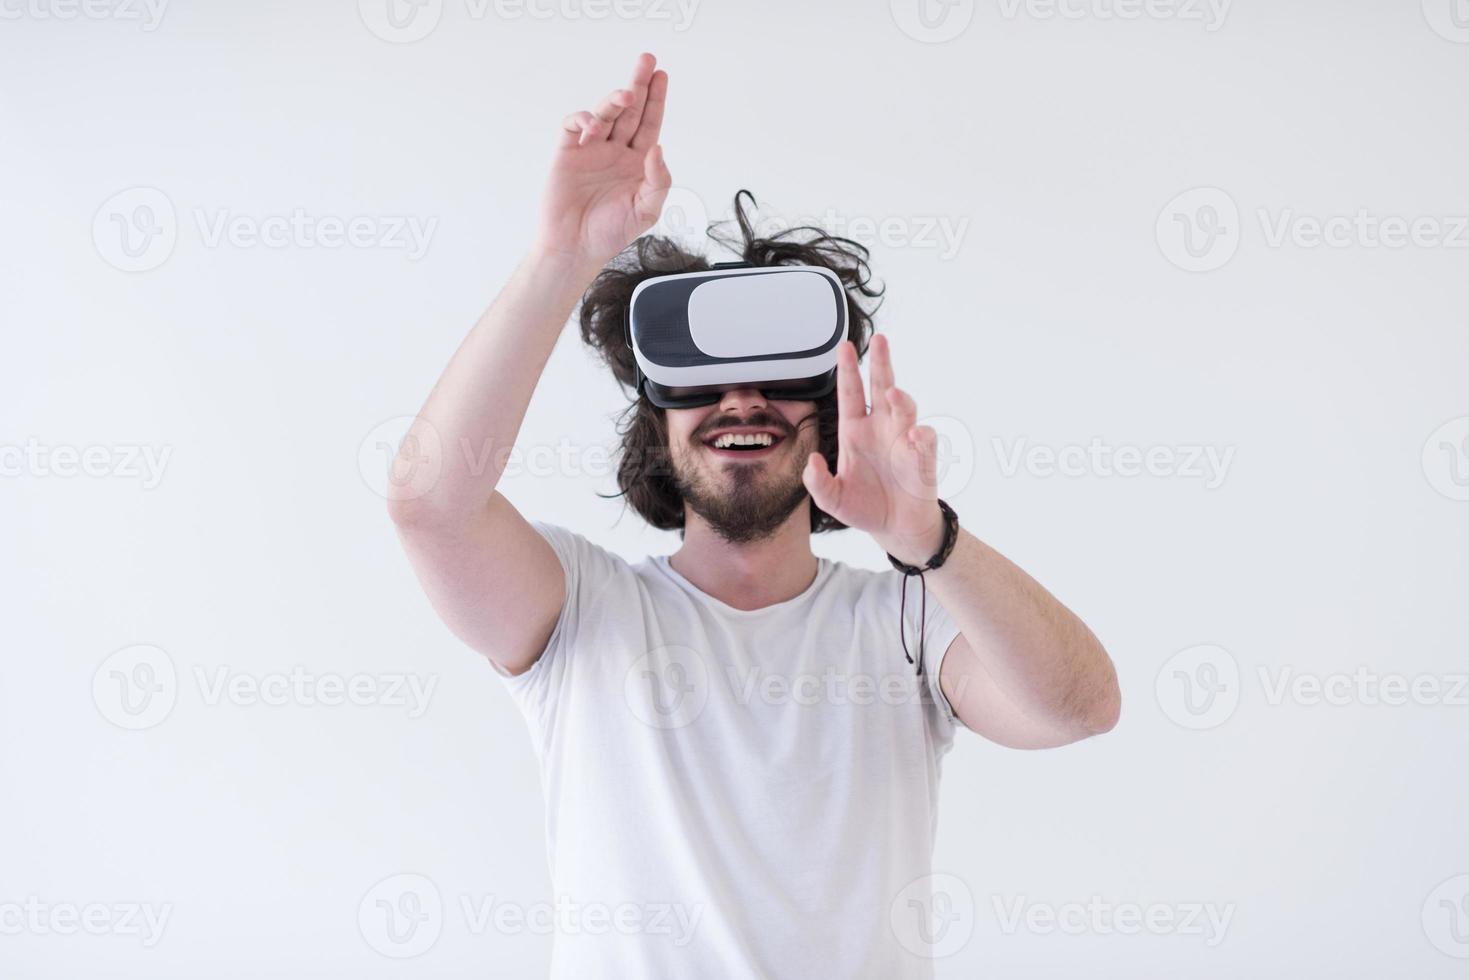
(741, 401)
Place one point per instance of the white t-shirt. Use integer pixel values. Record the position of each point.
(736, 793)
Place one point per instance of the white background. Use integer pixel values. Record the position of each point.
(1337, 540)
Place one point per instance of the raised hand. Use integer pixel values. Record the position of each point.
(608, 178)
(885, 483)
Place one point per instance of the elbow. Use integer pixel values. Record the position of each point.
(408, 512)
(1104, 709)
(421, 489)
(438, 514)
(1106, 712)
(412, 512)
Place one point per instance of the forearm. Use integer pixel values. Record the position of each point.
(459, 445)
(1021, 640)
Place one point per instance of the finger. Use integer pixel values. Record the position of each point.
(611, 109)
(880, 373)
(651, 125)
(925, 442)
(642, 73)
(582, 127)
(654, 190)
(825, 489)
(851, 399)
(574, 126)
(904, 408)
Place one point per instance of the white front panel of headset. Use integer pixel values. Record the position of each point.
(756, 316)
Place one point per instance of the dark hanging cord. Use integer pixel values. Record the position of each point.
(951, 536)
(922, 619)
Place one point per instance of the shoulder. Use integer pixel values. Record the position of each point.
(859, 582)
(578, 553)
(885, 594)
(595, 574)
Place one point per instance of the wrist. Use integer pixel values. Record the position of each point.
(916, 549)
(577, 265)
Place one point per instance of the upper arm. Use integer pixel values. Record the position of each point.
(492, 578)
(983, 707)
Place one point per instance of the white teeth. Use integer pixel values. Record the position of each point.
(743, 439)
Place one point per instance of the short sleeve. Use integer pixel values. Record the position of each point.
(588, 570)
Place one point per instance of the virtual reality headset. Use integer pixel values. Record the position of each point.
(696, 335)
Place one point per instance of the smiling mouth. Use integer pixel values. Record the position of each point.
(743, 445)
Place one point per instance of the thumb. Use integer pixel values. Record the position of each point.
(825, 490)
(654, 188)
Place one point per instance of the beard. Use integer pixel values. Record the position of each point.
(744, 502)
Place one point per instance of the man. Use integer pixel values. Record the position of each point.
(740, 765)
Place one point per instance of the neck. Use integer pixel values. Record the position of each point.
(751, 575)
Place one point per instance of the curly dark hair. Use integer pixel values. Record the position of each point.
(644, 471)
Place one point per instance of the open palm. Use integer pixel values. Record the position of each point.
(608, 178)
(886, 464)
